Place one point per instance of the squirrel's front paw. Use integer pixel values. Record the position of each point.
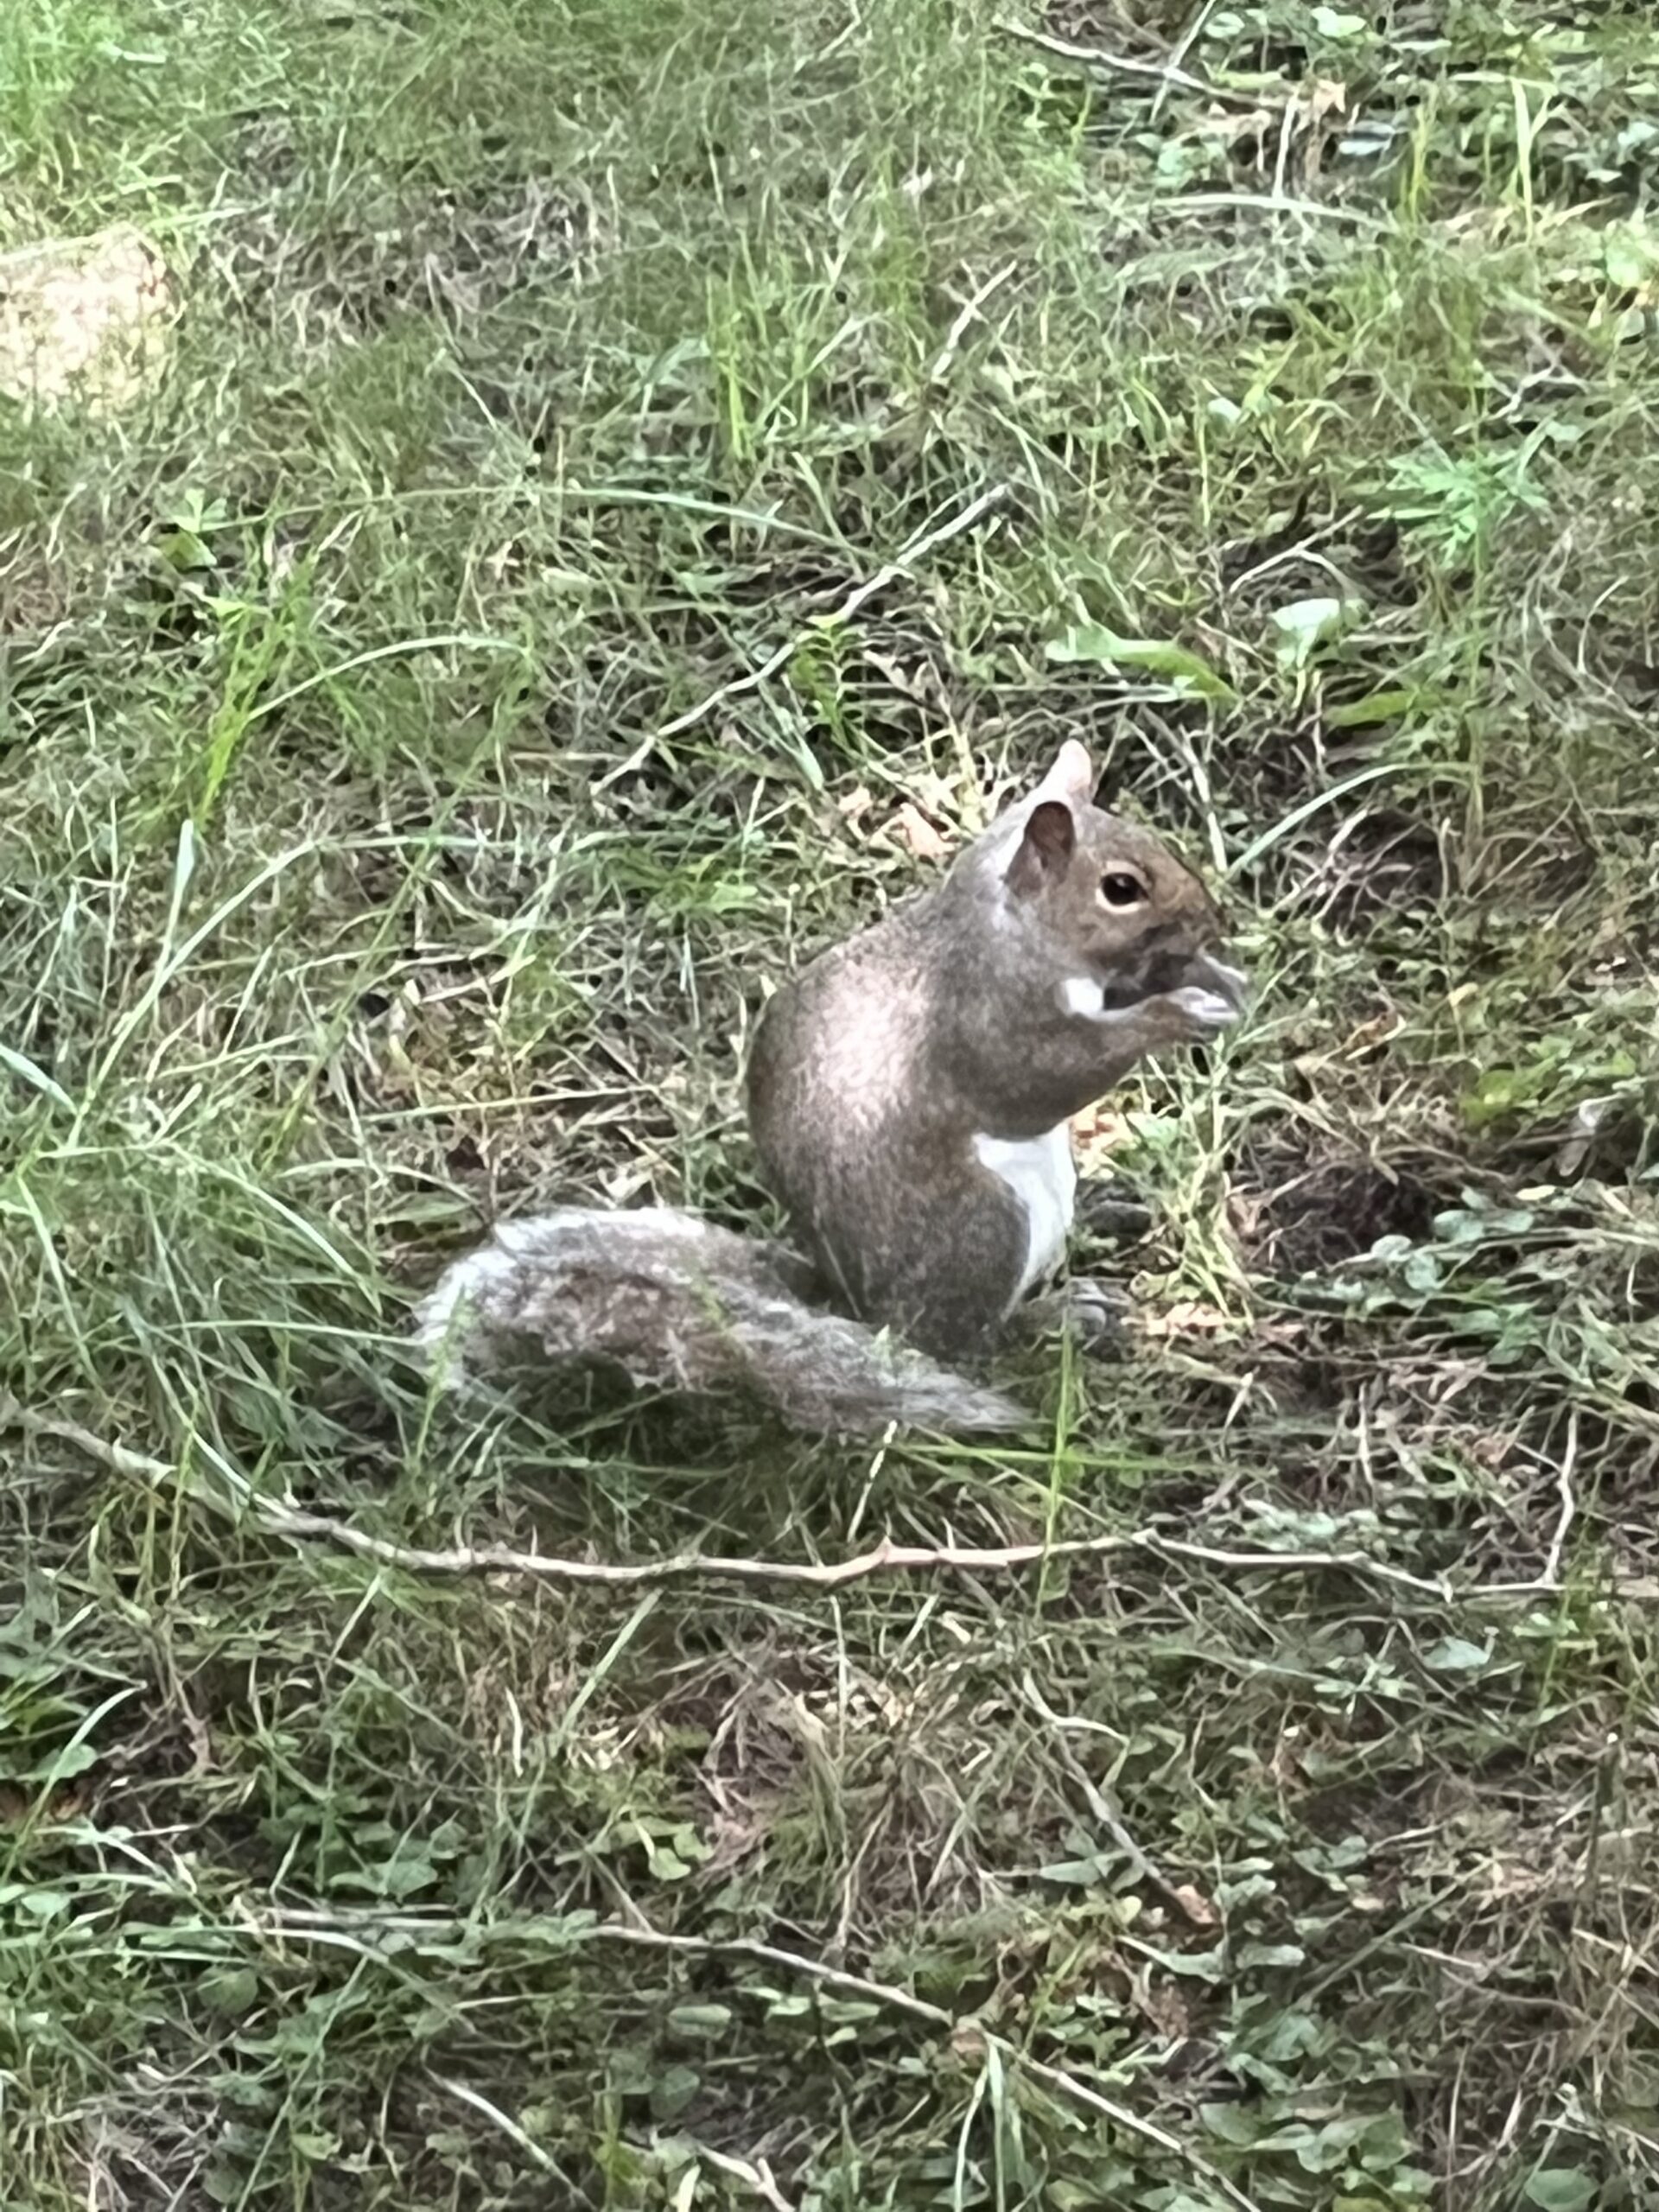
(1093, 1312)
(1108, 1215)
(1097, 1313)
(1206, 1010)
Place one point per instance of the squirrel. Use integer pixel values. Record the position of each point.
(909, 1094)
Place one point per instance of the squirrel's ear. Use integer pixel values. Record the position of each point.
(1051, 839)
(1072, 775)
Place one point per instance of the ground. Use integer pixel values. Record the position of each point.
(398, 834)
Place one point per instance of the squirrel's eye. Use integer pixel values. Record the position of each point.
(1119, 888)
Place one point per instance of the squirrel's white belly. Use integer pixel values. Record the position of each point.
(1043, 1175)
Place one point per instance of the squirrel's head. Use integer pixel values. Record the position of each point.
(1116, 905)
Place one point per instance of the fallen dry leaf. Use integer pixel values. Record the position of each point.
(1369, 1034)
(20, 1808)
(912, 830)
(201, 1744)
(922, 682)
(1326, 96)
(1097, 1133)
(1229, 128)
(1167, 2008)
(1197, 1906)
(1188, 1317)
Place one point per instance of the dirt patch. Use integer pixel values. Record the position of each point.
(83, 319)
(1384, 862)
(1305, 1216)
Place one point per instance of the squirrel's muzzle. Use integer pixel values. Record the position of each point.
(1166, 971)
(1207, 972)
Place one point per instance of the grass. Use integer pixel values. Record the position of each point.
(542, 367)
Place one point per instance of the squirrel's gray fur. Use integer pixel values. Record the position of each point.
(682, 1305)
(909, 1095)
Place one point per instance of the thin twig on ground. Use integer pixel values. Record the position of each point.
(644, 1938)
(1122, 65)
(1178, 52)
(965, 320)
(964, 2031)
(466, 2093)
(275, 1518)
(930, 541)
(1101, 1805)
(756, 2176)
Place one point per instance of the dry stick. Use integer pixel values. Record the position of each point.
(859, 597)
(1092, 57)
(757, 2176)
(1182, 48)
(1552, 1574)
(644, 1937)
(884, 1558)
(465, 2093)
(1101, 1806)
(1067, 2085)
(275, 1518)
(1201, 203)
(969, 314)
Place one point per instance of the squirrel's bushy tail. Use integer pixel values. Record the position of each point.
(683, 1305)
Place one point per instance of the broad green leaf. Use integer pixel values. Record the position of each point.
(1561, 2189)
(1232, 2124)
(43, 1904)
(1456, 1655)
(672, 2090)
(59, 1766)
(665, 1865)
(1092, 642)
(1374, 707)
(1630, 256)
(1459, 1225)
(1197, 1966)
(230, 1991)
(1271, 1954)
(1079, 1872)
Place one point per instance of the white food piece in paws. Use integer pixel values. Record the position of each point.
(1207, 1006)
(1234, 981)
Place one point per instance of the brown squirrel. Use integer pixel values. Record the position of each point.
(910, 1094)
